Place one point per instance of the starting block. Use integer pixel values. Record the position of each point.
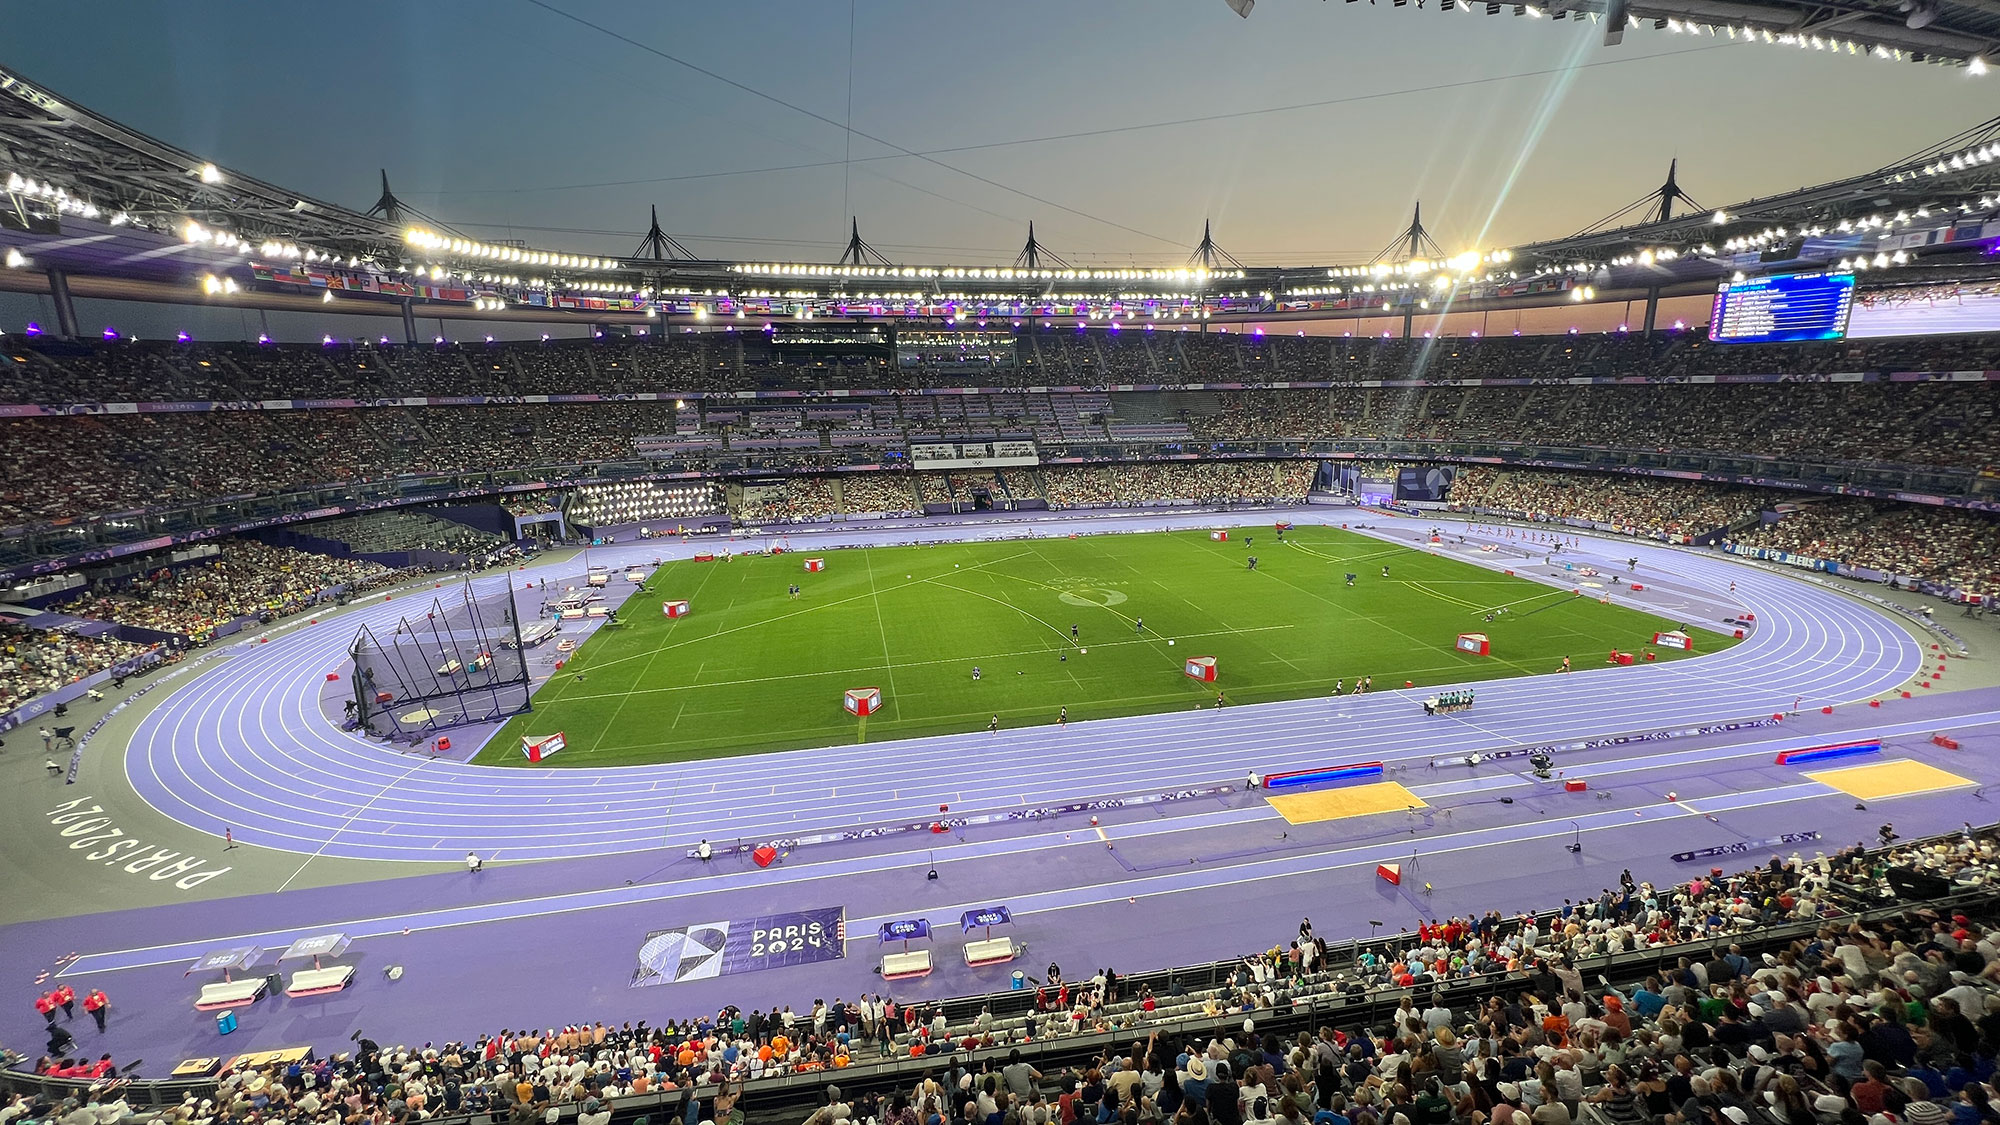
(1390, 873)
(1636, 587)
(1827, 753)
(1945, 741)
(332, 676)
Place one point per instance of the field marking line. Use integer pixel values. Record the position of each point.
(626, 696)
(1154, 638)
(860, 669)
(1441, 596)
(881, 627)
(783, 616)
(991, 567)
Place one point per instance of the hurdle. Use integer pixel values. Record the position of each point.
(1350, 772)
(1828, 753)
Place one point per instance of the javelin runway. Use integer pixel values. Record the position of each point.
(246, 746)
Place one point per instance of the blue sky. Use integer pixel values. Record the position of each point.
(505, 114)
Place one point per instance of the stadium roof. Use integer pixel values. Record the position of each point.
(97, 200)
(1946, 32)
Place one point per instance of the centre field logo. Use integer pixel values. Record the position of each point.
(1096, 597)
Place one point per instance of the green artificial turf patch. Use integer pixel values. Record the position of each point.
(752, 668)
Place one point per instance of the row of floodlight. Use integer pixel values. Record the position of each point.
(465, 248)
(1956, 162)
(982, 273)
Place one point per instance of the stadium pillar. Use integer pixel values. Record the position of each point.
(1652, 310)
(409, 321)
(1408, 319)
(65, 305)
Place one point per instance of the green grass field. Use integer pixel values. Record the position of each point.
(753, 669)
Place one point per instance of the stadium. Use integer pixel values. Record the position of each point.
(464, 677)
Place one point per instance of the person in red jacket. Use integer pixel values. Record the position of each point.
(66, 996)
(47, 1006)
(95, 1004)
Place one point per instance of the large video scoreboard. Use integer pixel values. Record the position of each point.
(1799, 306)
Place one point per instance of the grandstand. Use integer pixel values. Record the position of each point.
(270, 599)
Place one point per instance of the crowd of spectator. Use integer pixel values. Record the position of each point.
(418, 536)
(793, 500)
(727, 360)
(1942, 424)
(535, 503)
(39, 661)
(246, 578)
(1201, 482)
(1947, 546)
(121, 462)
(886, 493)
(1676, 511)
(1893, 1021)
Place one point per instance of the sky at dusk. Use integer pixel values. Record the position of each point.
(508, 118)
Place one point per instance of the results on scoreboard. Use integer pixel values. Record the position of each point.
(1799, 306)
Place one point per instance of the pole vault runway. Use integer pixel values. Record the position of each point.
(246, 745)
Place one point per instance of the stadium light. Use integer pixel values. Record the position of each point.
(209, 174)
(16, 259)
(1976, 65)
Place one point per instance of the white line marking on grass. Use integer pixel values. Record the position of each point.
(867, 558)
(1010, 605)
(787, 616)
